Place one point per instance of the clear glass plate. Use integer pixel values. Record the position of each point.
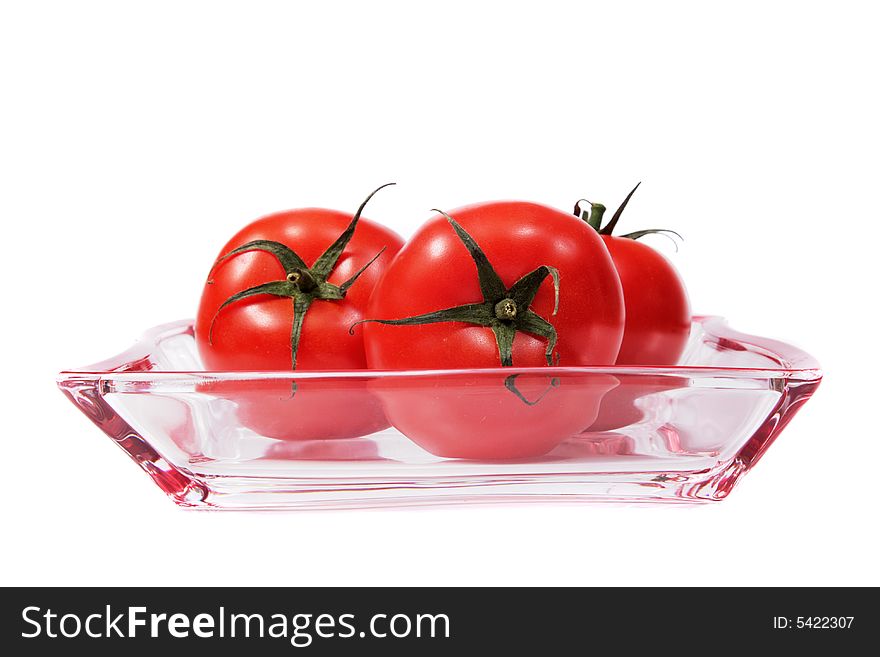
(264, 440)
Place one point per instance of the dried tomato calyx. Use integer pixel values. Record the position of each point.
(504, 310)
(593, 217)
(302, 284)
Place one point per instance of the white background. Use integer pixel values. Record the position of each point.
(136, 138)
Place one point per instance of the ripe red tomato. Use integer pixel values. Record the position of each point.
(492, 285)
(282, 296)
(658, 315)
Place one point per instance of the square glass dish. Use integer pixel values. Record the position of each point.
(266, 440)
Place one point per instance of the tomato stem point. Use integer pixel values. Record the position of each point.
(593, 217)
(505, 309)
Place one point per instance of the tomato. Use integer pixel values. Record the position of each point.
(658, 315)
(282, 296)
(490, 286)
(658, 321)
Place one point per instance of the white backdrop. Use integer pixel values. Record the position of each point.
(136, 138)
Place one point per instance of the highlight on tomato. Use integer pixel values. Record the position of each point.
(495, 285)
(281, 296)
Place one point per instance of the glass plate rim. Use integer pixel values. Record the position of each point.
(793, 363)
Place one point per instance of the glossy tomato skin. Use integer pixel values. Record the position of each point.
(434, 271)
(658, 315)
(658, 322)
(479, 417)
(254, 333)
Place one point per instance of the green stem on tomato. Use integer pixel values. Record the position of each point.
(593, 218)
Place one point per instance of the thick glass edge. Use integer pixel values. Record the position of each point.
(794, 363)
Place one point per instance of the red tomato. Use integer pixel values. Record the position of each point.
(282, 296)
(658, 315)
(476, 290)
